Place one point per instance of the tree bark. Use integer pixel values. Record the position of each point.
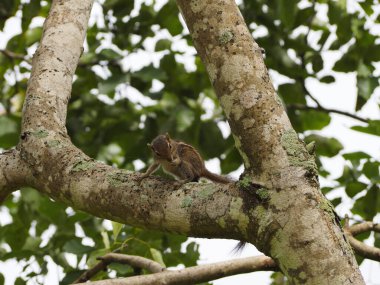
(293, 222)
(196, 274)
(277, 204)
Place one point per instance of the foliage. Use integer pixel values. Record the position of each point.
(119, 104)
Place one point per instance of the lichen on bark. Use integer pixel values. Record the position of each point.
(297, 153)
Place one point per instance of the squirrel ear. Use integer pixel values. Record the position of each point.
(167, 136)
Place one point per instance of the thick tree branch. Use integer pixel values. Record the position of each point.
(296, 218)
(132, 260)
(13, 173)
(197, 274)
(94, 187)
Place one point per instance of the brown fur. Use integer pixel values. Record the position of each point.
(180, 160)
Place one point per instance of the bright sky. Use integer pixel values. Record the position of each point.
(338, 95)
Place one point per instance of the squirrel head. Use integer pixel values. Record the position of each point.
(162, 147)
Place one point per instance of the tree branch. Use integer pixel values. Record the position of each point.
(361, 248)
(132, 260)
(294, 212)
(364, 227)
(364, 250)
(326, 110)
(13, 55)
(154, 267)
(197, 274)
(13, 173)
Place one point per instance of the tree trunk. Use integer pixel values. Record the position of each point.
(292, 222)
(277, 205)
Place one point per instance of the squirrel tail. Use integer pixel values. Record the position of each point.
(239, 247)
(216, 177)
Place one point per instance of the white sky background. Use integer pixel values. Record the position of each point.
(339, 95)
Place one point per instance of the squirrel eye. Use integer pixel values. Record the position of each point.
(170, 146)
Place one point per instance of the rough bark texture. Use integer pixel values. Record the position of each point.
(14, 172)
(293, 223)
(277, 205)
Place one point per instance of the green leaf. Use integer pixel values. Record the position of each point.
(372, 128)
(7, 125)
(116, 228)
(7, 9)
(355, 187)
(367, 7)
(32, 243)
(347, 176)
(314, 120)
(366, 86)
(157, 256)
(347, 63)
(184, 119)
(369, 205)
(106, 240)
(71, 276)
(292, 93)
(76, 247)
(15, 235)
(17, 44)
(92, 258)
(29, 11)
(325, 146)
(372, 171)
(377, 240)
(148, 73)
(364, 70)
(109, 54)
(167, 18)
(327, 79)
(317, 62)
(2, 279)
(336, 201)
(109, 85)
(121, 269)
(20, 281)
(33, 35)
(356, 156)
(120, 7)
(232, 161)
(287, 12)
(211, 140)
(163, 44)
(52, 211)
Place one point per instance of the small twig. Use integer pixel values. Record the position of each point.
(137, 262)
(13, 55)
(134, 261)
(88, 274)
(326, 110)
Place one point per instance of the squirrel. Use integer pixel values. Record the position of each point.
(180, 160)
